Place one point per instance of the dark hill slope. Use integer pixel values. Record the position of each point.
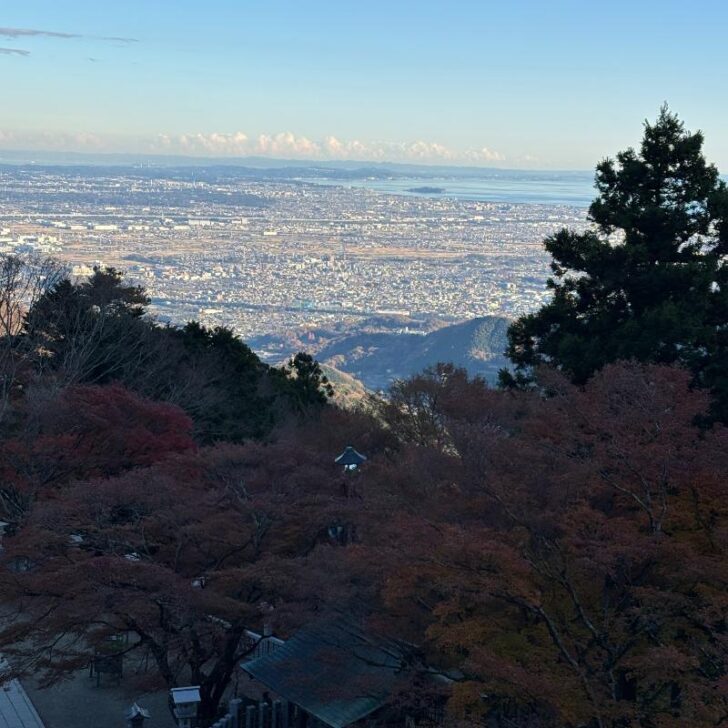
(378, 358)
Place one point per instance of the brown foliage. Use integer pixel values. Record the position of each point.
(587, 578)
(558, 557)
(183, 555)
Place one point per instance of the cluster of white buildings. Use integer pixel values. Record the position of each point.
(269, 257)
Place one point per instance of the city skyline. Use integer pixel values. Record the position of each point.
(522, 86)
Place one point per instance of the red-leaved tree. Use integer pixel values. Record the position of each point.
(574, 572)
(83, 432)
(183, 557)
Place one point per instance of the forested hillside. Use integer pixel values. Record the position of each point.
(550, 554)
(378, 350)
(376, 359)
(60, 333)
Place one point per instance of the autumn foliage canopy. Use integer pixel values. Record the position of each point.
(549, 555)
(560, 560)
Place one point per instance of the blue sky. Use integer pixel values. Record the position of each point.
(518, 83)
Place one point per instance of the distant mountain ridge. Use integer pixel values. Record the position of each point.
(377, 358)
(289, 167)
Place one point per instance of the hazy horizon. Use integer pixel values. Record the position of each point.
(50, 157)
(523, 85)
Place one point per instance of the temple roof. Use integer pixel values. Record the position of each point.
(334, 671)
(350, 457)
(16, 710)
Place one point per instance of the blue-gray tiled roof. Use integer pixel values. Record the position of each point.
(16, 710)
(334, 671)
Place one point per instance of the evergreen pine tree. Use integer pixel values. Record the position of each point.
(649, 280)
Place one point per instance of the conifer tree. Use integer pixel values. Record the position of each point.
(648, 281)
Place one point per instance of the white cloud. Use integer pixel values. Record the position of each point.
(286, 145)
(484, 154)
(207, 144)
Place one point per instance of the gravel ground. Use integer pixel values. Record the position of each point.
(78, 703)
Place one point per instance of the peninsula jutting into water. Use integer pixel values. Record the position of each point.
(428, 190)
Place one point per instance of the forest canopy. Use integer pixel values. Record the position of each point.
(550, 554)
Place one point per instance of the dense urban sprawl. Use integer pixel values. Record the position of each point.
(268, 257)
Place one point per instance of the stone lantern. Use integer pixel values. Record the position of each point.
(136, 716)
(184, 703)
(351, 459)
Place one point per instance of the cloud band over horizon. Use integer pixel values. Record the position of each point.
(240, 144)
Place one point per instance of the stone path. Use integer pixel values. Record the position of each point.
(78, 703)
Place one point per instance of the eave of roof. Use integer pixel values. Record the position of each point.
(16, 709)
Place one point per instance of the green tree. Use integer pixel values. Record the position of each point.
(648, 281)
(228, 390)
(91, 331)
(305, 382)
(98, 332)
